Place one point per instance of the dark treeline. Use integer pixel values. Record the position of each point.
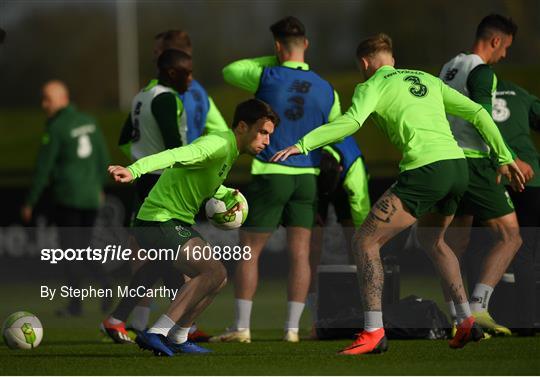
(76, 40)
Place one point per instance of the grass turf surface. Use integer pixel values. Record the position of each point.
(73, 347)
(76, 353)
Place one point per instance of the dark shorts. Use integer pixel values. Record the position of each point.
(340, 199)
(436, 187)
(484, 198)
(281, 199)
(168, 234)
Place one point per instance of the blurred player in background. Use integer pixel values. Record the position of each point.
(409, 106)
(342, 182)
(516, 112)
(203, 116)
(488, 202)
(284, 193)
(193, 174)
(72, 158)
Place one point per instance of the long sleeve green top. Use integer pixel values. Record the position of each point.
(193, 174)
(409, 106)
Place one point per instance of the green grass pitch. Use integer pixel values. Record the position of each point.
(74, 347)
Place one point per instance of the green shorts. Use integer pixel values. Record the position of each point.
(436, 187)
(167, 235)
(484, 198)
(281, 199)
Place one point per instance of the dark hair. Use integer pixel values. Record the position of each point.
(329, 175)
(252, 110)
(176, 40)
(2, 35)
(374, 44)
(288, 30)
(172, 59)
(494, 23)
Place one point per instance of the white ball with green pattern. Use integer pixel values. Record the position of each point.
(216, 210)
(22, 330)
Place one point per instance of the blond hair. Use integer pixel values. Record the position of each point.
(373, 45)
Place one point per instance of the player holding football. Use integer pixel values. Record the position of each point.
(409, 106)
(485, 200)
(178, 122)
(192, 174)
(282, 193)
(155, 123)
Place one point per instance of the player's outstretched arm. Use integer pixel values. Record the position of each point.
(120, 174)
(202, 149)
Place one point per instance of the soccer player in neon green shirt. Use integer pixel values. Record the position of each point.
(409, 106)
(182, 115)
(193, 174)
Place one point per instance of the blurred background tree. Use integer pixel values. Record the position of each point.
(76, 41)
